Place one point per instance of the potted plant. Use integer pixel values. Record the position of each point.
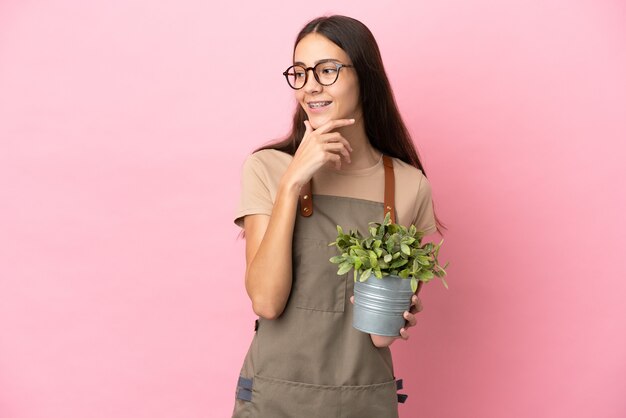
(398, 261)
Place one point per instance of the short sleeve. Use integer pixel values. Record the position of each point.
(425, 214)
(255, 196)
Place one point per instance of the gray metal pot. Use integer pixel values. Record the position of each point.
(380, 303)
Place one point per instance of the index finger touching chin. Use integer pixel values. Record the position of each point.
(335, 123)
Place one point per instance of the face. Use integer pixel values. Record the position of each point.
(343, 95)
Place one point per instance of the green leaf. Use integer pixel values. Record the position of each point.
(404, 273)
(365, 275)
(405, 249)
(357, 263)
(339, 230)
(413, 284)
(360, 252)
(344, 268)
(388, 258)
(408, 240)
(416, 265)
(336, 259)
(398, 263)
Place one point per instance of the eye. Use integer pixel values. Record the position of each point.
(328, 69)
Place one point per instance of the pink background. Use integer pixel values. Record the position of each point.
(123, 126)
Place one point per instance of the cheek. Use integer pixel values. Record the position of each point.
(348, 101)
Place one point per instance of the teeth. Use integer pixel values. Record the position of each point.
(319, 104)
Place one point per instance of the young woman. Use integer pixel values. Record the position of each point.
(334, 168)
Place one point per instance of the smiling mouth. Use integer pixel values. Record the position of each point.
(317, 105)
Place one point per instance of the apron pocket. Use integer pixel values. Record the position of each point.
(370, 401)
(278, 398)
(316, 285)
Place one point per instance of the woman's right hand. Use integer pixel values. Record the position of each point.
(317, 148)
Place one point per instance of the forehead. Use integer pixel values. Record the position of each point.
(315, 47)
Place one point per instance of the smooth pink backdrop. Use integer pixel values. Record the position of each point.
(123, 126)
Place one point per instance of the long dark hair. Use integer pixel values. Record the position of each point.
(383, 124)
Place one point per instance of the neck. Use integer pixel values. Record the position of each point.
(363, 154)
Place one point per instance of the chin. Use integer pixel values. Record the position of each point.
(318, 120)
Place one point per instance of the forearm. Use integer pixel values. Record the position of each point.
(269, 275)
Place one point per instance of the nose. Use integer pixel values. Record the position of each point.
(311, 82)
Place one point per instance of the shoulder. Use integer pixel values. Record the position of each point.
(268, 164)
(409, 177)
(269, 157)
(416, 196)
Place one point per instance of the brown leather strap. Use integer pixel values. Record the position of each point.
(306, 196)
(306, 200)
(390, 188)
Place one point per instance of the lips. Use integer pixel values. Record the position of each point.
(319, 104)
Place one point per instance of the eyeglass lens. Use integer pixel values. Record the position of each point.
(326, 73)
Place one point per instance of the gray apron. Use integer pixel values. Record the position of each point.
(310, 361)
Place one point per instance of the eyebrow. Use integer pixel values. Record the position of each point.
(317, 62)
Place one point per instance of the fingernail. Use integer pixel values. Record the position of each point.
(351, 120)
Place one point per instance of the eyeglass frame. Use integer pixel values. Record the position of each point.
(306, 73)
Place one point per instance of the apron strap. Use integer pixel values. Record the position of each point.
(306, 195)
(306, 200)
(390, 188)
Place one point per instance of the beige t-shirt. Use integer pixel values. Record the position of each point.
(263, 170)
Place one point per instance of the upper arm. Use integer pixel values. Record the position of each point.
(254, 227)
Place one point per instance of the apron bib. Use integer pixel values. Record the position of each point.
(310, 361)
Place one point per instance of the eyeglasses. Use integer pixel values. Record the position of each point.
(325, 73)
